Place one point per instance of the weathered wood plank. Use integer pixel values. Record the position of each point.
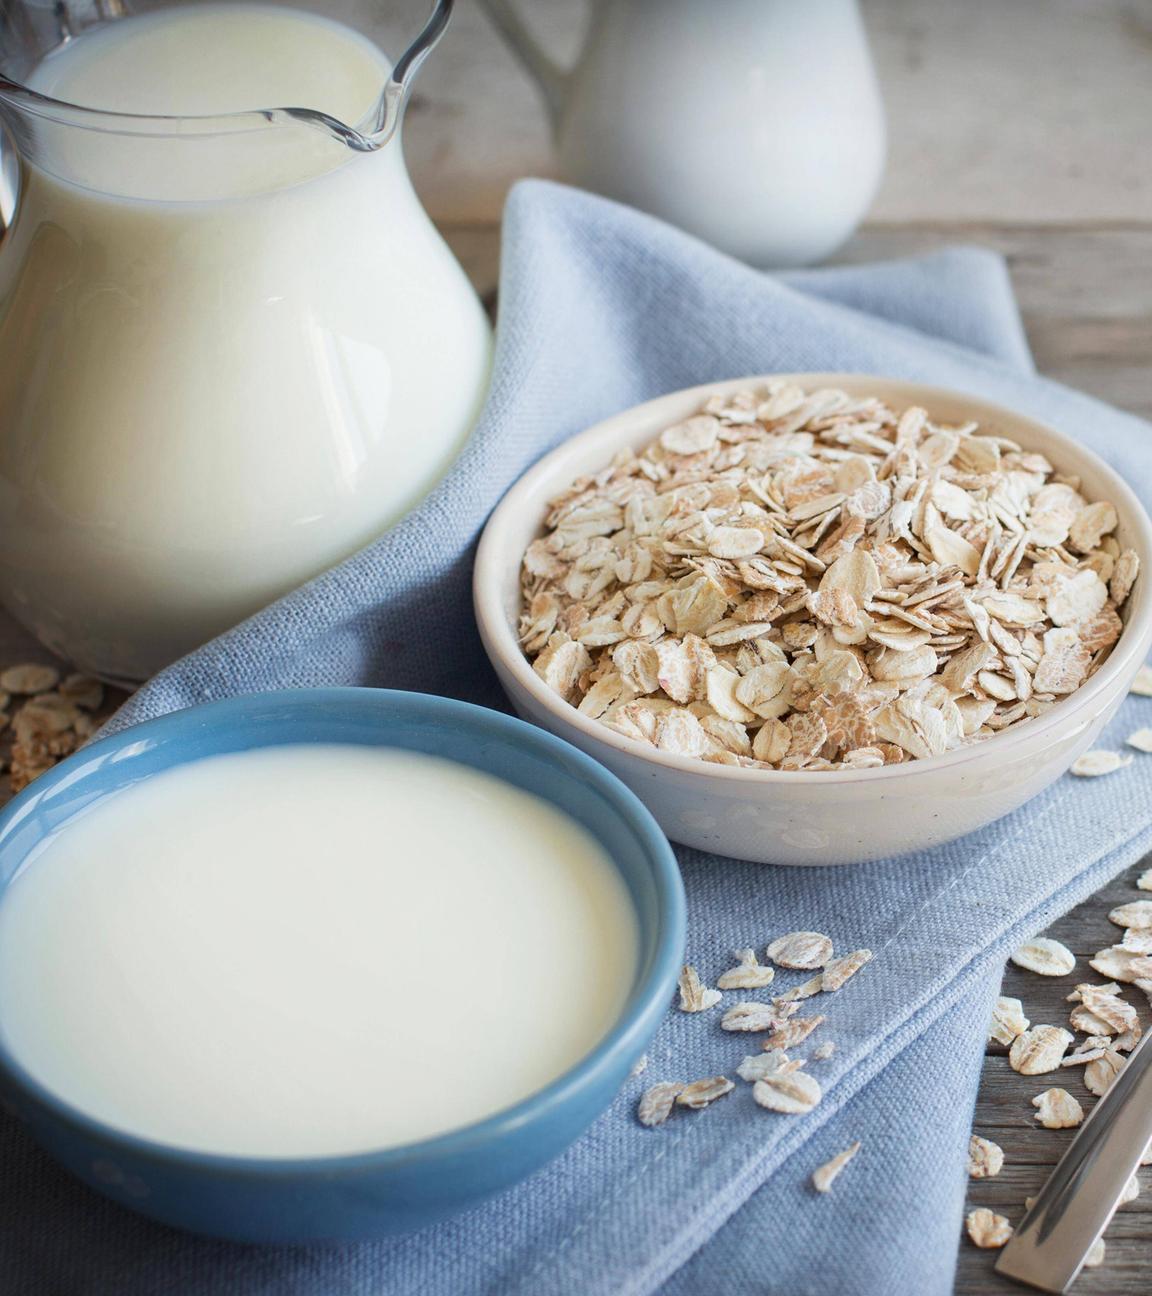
(1085, 294)
(1004, 1114)
(1033, 112)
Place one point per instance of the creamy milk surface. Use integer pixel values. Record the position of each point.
(311, 950)
(228, 358)
(217, 58)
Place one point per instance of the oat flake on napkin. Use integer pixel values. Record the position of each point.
(602, 308)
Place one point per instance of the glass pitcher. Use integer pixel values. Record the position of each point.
(233, 348)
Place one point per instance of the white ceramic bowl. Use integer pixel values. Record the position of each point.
(831, 817)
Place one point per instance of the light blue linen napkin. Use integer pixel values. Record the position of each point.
(601, 308)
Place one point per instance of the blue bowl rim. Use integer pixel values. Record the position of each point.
(643, 1010)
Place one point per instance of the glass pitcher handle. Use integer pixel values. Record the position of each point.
(9, 179)
(390, 110)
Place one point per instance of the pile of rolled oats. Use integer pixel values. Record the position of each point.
(52, 718)
(812, 581)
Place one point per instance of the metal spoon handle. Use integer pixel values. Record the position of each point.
(1048, 1249)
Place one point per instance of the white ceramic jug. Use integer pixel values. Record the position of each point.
(755, 124)
(233, 348)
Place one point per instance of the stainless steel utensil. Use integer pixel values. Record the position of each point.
(1074, 1206)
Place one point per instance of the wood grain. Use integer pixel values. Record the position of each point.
(1085, 294)
(1004, 1113)
(1033, 112)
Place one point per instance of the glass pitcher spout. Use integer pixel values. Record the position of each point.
(368, 135)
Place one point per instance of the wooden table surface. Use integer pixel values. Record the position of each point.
(1023, 127)
(1004, 1114)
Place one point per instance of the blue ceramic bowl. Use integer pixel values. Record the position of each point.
(368, 1195)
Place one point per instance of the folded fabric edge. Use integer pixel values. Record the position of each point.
(986, 318)
(564, 202)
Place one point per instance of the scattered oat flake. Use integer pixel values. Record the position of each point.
(1141, 740)
(822, 1052)
(805, 990)
(1095, 764)
(694, 995)
(1046, 956)
(1095, 1257)
(656, 1103)
(842, 969)
(640, 1065)
(1131, 1191)
(1137, 939)
(1127, 1040)
(30, 677)
(1083, 1019)
(1141, 685)
(1116, 961)
(1057, 1109)
(788, 1034)
(792, 1094)
(826, 1175)
(987, 1230)
(83, 691)
(1039, 1049)
(1102, 1011)
(985, 1158)
(748, 974)
(1100, 1073)
(802, 949)
(1138, 913)
(750, 1015)
(45, 715)
(702, 1092)
(1144, 881)
(1088, 1050)
(758, 1065)
(1008, 1020)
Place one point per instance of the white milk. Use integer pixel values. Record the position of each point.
(312, 950)
(226, 360)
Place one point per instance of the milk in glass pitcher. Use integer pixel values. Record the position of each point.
(233, 348)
